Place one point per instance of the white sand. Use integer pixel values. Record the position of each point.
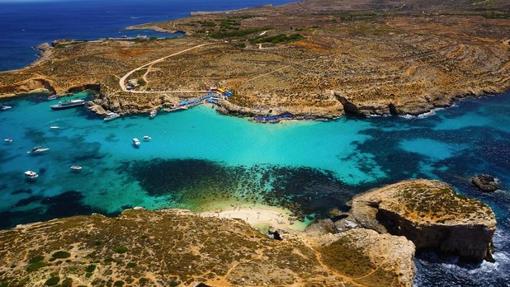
(261, 217)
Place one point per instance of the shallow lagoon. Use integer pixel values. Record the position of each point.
(198, 156)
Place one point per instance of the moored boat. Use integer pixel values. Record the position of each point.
(68, 104)
(5, 107)
(38, 150)
(31, 175)
(136, 142)
(52, 97)
(76, 168)
(153, 114)
(110, 116)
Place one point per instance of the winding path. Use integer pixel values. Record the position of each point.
(122, 81)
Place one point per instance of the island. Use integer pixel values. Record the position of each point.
(310, 59)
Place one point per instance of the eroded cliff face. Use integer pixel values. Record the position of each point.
(176, 247)
(430, 214)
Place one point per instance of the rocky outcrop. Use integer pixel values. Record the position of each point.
(430, 214)
(486, 183)
(373, 259)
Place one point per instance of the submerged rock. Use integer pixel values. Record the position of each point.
(430, 214)
(486, 183)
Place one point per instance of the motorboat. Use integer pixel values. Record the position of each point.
(52, 97)
(136, 142)
(31, 175)
(110, 116)
(76, 168)
(8, 140)
(153, 114)
(54, 127)
(68, 104)
(38, 150)
(147, 138)
(5, 107)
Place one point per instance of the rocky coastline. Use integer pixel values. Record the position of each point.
(372, 245)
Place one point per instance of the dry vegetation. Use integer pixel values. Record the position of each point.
(309, 58)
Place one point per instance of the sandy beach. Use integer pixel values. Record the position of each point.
(259, 216)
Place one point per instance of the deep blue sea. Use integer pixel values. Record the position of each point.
(198, 156)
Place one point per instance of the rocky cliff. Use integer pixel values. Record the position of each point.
(430, 214)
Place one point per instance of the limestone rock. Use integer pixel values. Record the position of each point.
(430, 214)
(485, 182)
(373, 259)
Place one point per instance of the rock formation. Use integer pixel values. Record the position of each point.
(486, 183)
(430, 214)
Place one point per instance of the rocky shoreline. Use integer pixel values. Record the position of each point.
(373, 245)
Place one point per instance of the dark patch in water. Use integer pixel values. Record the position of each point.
(28, 200)
(65, 204)
(303, 190)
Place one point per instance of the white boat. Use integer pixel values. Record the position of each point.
(136, 142)
(110, 116)
(31, 175)
(52, 97)
(153, 114)
(38, 150)
(76, 168)
(8, 140)
(54, 127)
(5, 107)
(147, 138)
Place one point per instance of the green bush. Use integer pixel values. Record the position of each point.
(68, 282)
(61, 255)
(52, 281)
(120, 249)
(90, 268)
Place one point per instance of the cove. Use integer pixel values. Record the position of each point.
(199, 156)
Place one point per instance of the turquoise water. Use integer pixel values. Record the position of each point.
(198, 156)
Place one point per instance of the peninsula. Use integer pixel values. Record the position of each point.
(312, 59)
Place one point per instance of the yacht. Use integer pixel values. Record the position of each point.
(8, 140)
(136, 142)
(31, 175)
(68, 104)
(38, 150)
(76, 168)
(110, 116)
(147, 138)
(153, 114)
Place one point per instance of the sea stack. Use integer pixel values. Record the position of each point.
(432, 215)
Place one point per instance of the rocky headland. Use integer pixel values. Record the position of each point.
(431, 214)
(312, 59)
(376, 246)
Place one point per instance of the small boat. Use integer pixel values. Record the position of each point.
(54, 127)
(76, 168)
(5, 107)
(136, 142)
(31, 175)
(52, 97)
(68, 104)
(110, 116)
(8, 140)
(38, 150)
(147, 138)
(153, 114)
